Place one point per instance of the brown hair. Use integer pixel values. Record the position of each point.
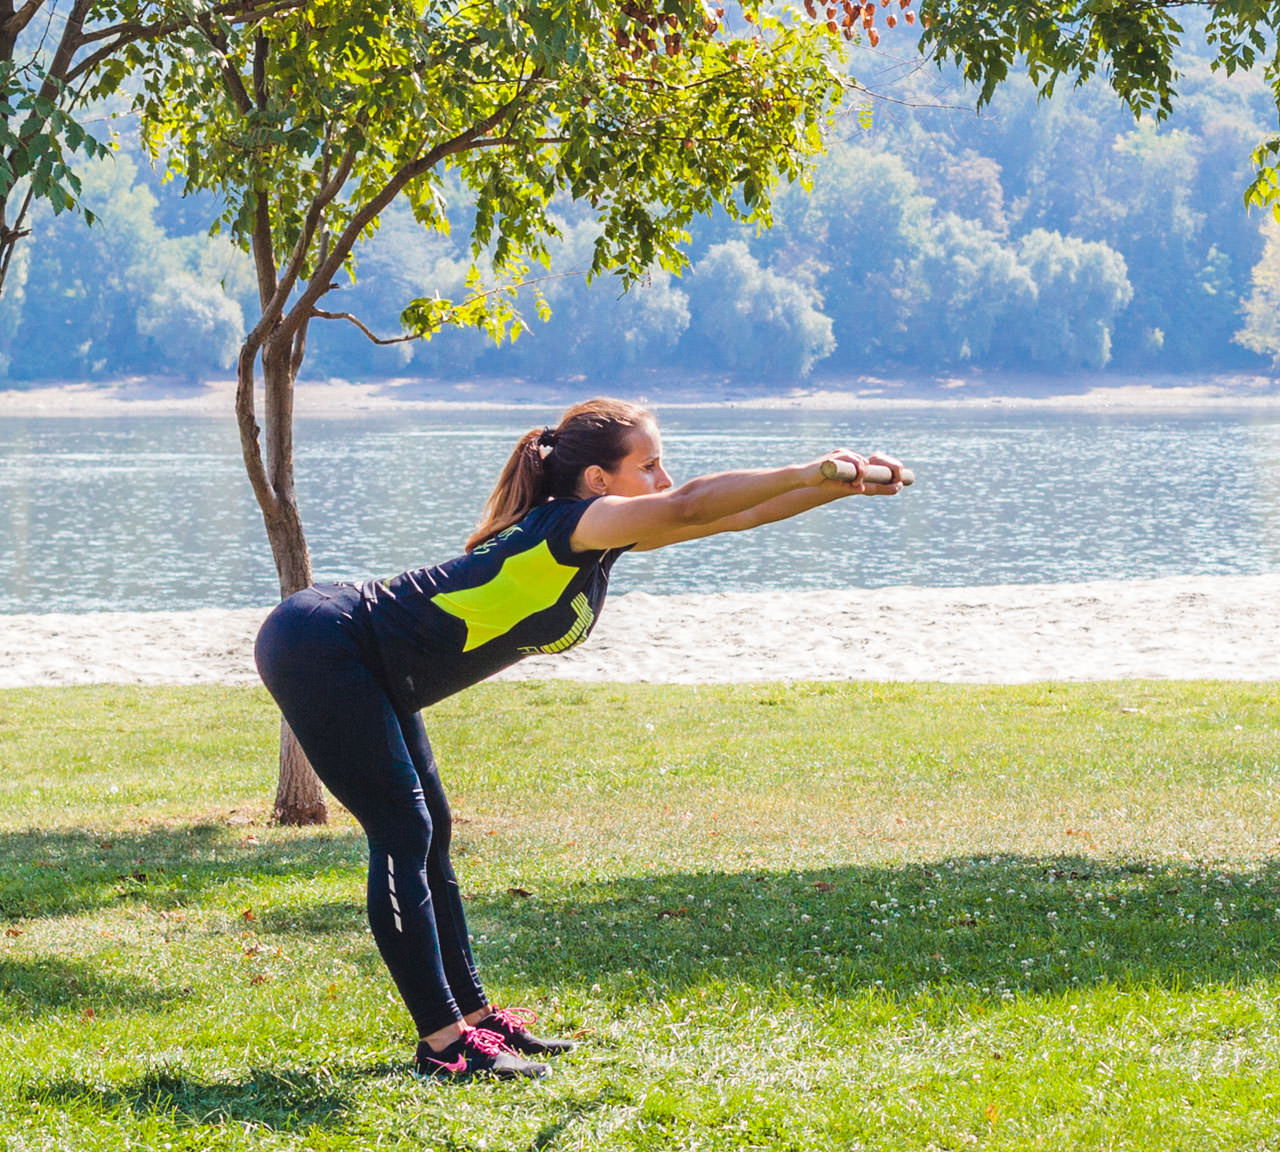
(548, 462)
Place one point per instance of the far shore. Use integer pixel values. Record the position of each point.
(144, 396)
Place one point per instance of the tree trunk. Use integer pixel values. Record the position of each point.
(299, 797)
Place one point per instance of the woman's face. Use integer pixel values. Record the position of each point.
(639, 472)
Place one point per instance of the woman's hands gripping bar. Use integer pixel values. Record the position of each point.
(871, 473)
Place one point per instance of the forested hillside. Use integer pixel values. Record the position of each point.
(1038, 236)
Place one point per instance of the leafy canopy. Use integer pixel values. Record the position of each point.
(1133, 43)
(309, 124)
(55, 59)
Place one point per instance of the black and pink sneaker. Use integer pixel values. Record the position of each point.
(512, 1024)
(477, 1052)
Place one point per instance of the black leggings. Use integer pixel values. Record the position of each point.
(377, 761)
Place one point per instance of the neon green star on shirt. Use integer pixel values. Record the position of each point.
(527, 582)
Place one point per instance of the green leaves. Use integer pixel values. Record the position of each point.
(1131, 42)
(39, 142)
(320, 118)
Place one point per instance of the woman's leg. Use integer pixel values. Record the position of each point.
(451, 925)
(451, 921)
(351, 734)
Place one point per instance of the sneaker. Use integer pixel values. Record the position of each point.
(512, 1024)
(477, 1052)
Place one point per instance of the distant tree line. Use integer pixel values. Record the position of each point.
(1042, 236)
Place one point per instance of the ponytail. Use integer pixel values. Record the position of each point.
(548, 462)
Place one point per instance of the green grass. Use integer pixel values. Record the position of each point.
(826, 916)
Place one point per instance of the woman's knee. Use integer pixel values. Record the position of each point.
(402, 829)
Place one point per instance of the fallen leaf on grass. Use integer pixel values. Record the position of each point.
(824, 886)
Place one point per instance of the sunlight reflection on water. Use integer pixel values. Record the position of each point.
(155, 512)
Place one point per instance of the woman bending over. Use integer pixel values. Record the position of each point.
(351, 666)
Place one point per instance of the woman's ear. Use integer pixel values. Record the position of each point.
(595, 479)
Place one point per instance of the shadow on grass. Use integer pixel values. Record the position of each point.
(71, 872)
(983, 924)
(49, 983)
(974, 926)
(934, 936)
(267, 1098)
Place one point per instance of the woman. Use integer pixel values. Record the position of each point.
(351, 666)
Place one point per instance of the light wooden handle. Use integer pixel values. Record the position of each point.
(872, 473)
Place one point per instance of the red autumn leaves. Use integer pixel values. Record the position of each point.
(647, 31)
(858, 14)
(651, 32)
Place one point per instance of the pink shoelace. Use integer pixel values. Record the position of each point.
(485, 1042)
(517, 1019)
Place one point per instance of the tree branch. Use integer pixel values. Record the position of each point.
(323, 315)
(264, 261)
(231, 79)
(250, 446)
(261, 48)
(327, 270)
(299, 350)
(500, 141)
(13, 26)
(59, 67)
(323, 198)
(131, 32)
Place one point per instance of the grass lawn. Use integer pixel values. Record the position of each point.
(778, 917)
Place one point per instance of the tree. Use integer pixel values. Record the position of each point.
(193, 322)
(121, 296)
(1132, 43)
(753, 321)
(311, 123)
(594, 328)
(1080, 287)
(52, 64)
(863, 228)
(974, 289)
(1261, 331)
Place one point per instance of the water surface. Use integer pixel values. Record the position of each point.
(141, 513)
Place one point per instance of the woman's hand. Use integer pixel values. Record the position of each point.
(894, 465)
(858, 485)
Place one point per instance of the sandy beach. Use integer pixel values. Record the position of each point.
(1184, 629)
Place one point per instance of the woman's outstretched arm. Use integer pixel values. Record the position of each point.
(723, 502)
